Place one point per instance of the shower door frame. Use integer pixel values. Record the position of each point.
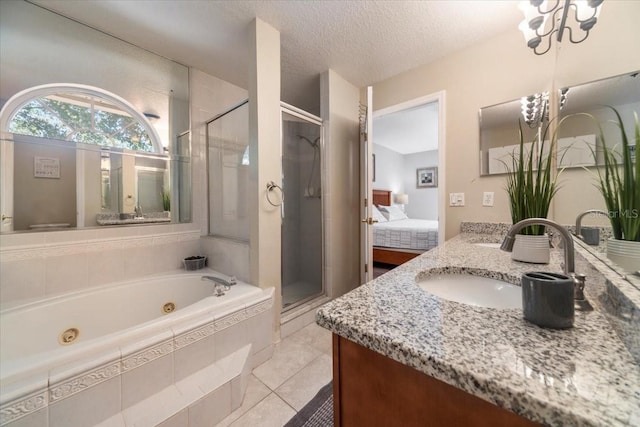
(313, 119)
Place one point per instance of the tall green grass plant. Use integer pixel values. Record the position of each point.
(531, 183)
(618, 182)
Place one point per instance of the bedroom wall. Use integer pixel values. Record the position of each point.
(423, 202)
(388, 167)
(397, 172)
(502, 69)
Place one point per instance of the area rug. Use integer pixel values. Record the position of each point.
(318, 412)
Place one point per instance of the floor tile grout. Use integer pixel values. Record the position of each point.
(309, 339)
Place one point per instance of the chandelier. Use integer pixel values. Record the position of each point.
(544, 18)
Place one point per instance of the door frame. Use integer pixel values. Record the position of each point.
(440, 98)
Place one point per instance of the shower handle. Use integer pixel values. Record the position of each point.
(370, 220)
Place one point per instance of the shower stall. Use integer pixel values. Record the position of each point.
(302, 225)
(228, 186)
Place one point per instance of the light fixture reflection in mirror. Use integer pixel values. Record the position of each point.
(499, 129)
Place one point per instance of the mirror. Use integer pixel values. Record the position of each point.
(499, 132)
(577, 137)
(90, 182)
(578, 194)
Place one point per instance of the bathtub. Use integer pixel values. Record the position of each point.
(173, 326)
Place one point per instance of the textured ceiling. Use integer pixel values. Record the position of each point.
(408, 131)
(363, 41)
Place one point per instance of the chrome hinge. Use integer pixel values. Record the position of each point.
(366, 202)
(366, 268)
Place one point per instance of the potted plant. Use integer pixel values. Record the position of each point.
(531, 186)
(166, 201)
(619, 186)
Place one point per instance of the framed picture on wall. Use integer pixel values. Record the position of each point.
(427, 177)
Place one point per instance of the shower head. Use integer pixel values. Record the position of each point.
(314, 144)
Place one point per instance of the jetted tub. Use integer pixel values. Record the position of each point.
(114, 325)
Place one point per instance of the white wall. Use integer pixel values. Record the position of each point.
(397, 172)
(423, 202)
(339, 106)
(389, 166)
(503, 69)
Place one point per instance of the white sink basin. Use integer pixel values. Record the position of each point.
(474, 290)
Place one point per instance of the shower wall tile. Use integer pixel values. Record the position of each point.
(260, 329)
(194, 357)
(22, 239)
(138, 262)
(181, 419)
(211, 409)
(22, 279)
(39, 270)
(80, 235)
(65, 273)
(147, 379)
(105, 266)
(34, 419)
(81, 409)
(227, 256)
(230, 339)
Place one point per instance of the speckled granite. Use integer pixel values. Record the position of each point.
(117, 219)
(582, 376)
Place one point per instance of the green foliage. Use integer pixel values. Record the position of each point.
(618, 183)
(53, 119)
(166, 200)
(531, 184)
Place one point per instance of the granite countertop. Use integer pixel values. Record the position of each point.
(586, 375)
(132, 221)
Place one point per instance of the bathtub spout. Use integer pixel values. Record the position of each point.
(219, 280)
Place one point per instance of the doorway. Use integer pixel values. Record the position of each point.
(407, 150)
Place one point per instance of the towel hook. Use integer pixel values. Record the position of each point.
(271, 186)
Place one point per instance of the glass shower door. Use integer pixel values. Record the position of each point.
(302, 231)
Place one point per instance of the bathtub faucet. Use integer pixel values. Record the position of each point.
(221, 285)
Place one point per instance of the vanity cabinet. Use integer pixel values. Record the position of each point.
(370, 389)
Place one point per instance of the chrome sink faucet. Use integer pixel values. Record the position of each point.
(569, 255)
(578, 231)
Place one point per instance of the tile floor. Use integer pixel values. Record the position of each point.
(280, 387)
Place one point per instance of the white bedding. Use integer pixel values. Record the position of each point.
(417, 234)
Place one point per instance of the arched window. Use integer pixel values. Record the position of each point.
(79, 113)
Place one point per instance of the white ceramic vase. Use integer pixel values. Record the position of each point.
(533, 249)
(625, 254)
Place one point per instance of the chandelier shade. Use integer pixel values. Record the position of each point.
(546, 19)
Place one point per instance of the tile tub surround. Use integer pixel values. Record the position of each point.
(581, 376)
(145, 382)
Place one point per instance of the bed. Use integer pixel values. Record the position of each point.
(397, 241)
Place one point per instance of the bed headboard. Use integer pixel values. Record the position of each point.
(382, 197)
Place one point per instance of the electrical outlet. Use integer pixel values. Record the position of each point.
(487, 198)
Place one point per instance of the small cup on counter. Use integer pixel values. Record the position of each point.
(547, 299)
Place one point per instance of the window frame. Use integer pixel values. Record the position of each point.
(22, 98)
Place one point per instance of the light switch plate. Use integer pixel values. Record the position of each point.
(456, 199)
